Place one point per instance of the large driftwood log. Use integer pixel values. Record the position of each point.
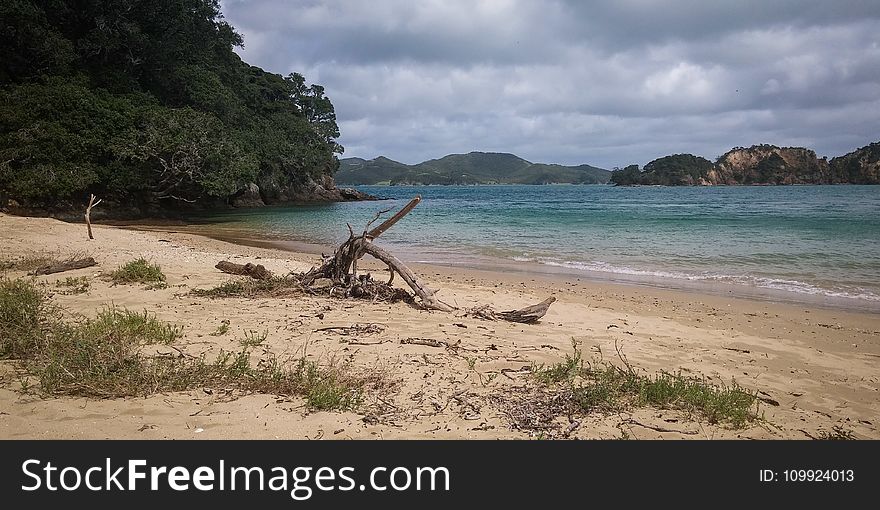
(342, 266)
(528, 314)
(341, 270)
(255, 271)
(88, 214)
(429, 300)
(338, 268)
(67, 265)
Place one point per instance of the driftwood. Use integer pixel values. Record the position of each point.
(341, 270)
(429, 300)
(67, 265)
(88, 214)
(255, 271)
(355, 329)
(527, 315)
(376, 232)
(430, 342)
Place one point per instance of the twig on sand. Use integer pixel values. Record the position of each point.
(430, 342)
(661, 429)
(355, 329)
(358, 342)
(571, 428)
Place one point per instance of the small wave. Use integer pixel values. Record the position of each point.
(754, 281)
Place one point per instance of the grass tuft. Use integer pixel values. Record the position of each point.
(139, 271)
(837, 433)
(222, 329)
(563, 371)
(132, 327)
(253, 338)
(25, 315)
(103, 357)
(71, 285)
(604, 387)
(274, 287)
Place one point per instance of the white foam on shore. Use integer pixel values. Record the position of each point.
(754, 281)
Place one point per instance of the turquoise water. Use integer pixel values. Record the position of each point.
(821, 241)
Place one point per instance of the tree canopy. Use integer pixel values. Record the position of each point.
(146, 101)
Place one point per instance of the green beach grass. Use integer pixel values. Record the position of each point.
(103, 357)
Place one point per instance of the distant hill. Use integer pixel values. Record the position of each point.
(758, 164)
(471, 168)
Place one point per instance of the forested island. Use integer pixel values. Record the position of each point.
(756, 165)
(147, 105)
(463, 169)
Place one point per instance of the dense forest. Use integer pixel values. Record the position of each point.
(470, 168)
(146, 104)
(758, 164)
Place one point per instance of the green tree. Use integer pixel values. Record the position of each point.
(148, 102)
(626, 176)
(316, 107)
(677, 170)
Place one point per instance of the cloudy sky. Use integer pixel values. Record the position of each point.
(605, 82)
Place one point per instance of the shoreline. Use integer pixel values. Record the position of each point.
(818, 365)
(534, 269)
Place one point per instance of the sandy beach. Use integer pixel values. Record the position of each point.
(813, 368)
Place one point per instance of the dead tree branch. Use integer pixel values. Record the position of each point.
(341, 271)
(429, 300)
(376, 232)
(88, 215)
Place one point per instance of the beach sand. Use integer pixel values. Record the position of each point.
(818, 364)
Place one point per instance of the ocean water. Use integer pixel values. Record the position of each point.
(791, 241)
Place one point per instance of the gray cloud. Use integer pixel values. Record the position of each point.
(604, 82)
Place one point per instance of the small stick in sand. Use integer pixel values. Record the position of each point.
(430, 342)
(92, 203)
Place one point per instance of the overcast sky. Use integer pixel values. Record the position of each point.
(607, 83)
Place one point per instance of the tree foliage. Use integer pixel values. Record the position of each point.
(675, 170)
(147, 101)
(626, 176)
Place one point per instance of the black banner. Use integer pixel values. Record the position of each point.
(398, 474)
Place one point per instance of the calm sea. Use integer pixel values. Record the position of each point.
(802, 243)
